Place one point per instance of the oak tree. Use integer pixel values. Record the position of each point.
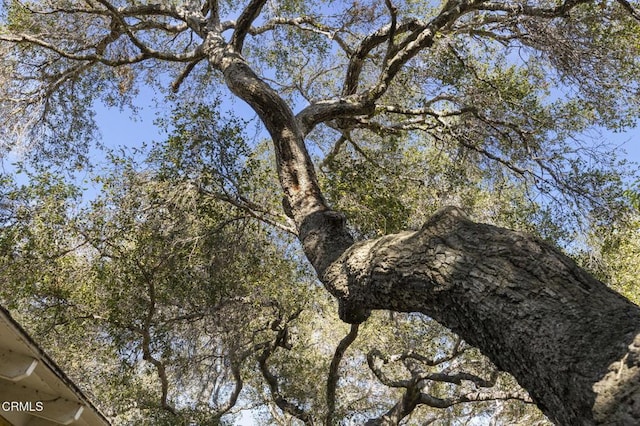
(509, 86)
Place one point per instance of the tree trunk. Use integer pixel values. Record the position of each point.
(570, 341)
(573, 343)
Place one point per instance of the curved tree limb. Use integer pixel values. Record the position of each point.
(304, 23)
(243, 25)
(235, 393)
(418, 36)
(283, 403)
(332, 378)
(175, 85)
(147, 354)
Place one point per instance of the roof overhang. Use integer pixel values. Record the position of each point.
(33, 389)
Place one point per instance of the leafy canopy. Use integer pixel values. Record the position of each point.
(179, 290)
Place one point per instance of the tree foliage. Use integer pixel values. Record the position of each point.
(146, 290)
(168, 299)
(181, 287)
(614, 250)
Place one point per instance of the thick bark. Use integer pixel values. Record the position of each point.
(569, 340)
(322, 231)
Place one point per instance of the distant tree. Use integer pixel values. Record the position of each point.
(502, 90)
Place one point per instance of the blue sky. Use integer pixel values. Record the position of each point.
(628, 141)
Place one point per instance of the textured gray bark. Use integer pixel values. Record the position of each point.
(566, 337)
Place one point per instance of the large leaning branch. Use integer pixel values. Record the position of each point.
(524, 304)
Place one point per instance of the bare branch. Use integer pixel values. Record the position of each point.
(526, 10)
(418, 36)
(237, 388)
(175, 85)
(464, 141)
(304, 23)
(282, 403)
(457, 378)
(407, 403)
(369, 43)
(144, 48)
(494, 396)
(375, 360)
(214, 18)
(393, 11)
(249, 14)
(432, 362)
(256, 212)
(155, 9)
(413, 396)
(332, 379)
(327, 110)
(26, 38)
(118, 27)
(147, 354)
